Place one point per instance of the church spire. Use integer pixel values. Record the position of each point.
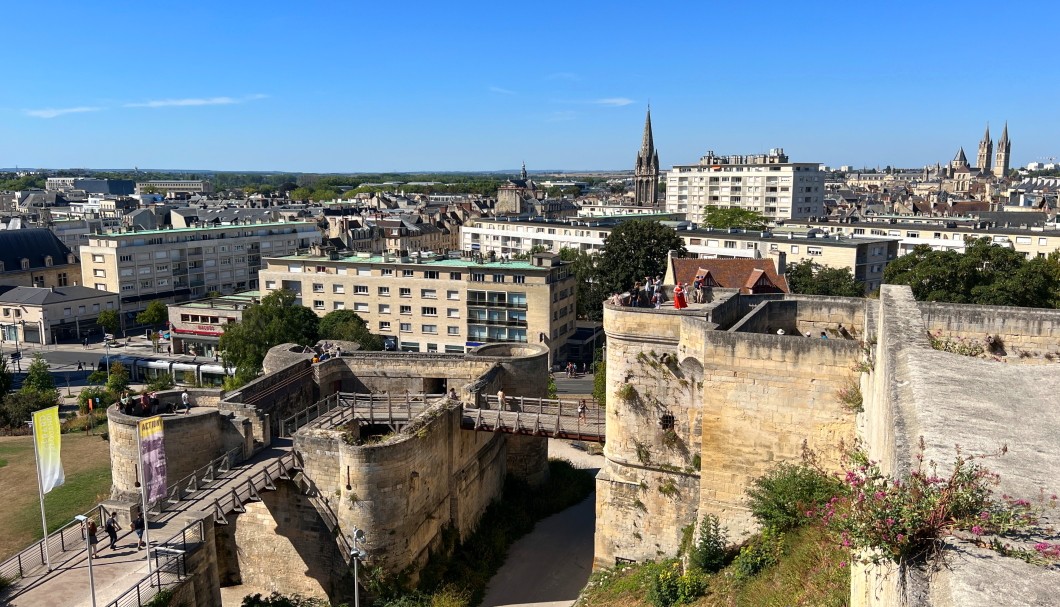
(646, 171)
(1004, 150)
(522, 175)
(986, 151)
(647, 144)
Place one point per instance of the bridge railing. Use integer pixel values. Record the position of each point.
(341, 408)
(170, 567)
(199, 479)
(70, 536)
(245, 491)
(570, 418)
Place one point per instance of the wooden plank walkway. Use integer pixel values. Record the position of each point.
(538, 416)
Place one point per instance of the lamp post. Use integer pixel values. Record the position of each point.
(88, 546)
(107, 345)
(355, 554)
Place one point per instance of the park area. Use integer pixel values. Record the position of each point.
(86, 462)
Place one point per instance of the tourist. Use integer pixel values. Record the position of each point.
(145, 404)
(679, 297)
(697, 289)
(452, 394)
(616, 299)
(90, 532)
(824, 335)
(185, 401)
(112, 528)
(80, 367)
(500, 400)
(138, 528)
(581, 411)
(634, 295)
(125, 403)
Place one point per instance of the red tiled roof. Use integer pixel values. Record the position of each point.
(743, 274)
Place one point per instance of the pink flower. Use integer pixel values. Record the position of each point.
(880, 495)
(890, 521)
(901, 537)
(842, 563)
(984, 515)
(977, 530)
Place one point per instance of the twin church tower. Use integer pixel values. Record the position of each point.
(986, 151)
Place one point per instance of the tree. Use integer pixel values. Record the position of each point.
(617, 188)
(591, 292)
(300, 194)
(636, 249)
(7, 379)
(347, 325)
(17, 406)
(986, 274)
(276, 319)
(155, 313)
(725, 218)
(325, 194)
(109, 320)
(39, 376)
(809, 278)
(118, 381)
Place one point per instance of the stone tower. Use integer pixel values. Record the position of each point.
(646, 173)
(986, 152)
(1004, 150)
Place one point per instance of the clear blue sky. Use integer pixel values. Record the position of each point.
(403, 86)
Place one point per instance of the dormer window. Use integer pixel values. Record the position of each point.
(47, 261)
(25, 263)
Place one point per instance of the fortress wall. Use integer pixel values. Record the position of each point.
(396, 372)
(278, 394)
(648, 487)
(201, 587)
(406, 491)
(1032, 330)
(764, 396)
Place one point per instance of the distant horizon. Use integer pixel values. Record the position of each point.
(333, 88)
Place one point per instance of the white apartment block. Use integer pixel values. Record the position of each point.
(764, 183)
(180, 264)
(430, 303)
(171, 186)
(504, 237)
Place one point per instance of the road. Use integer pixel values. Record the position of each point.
(550, 566)
(582, 384)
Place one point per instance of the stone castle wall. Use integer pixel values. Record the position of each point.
(1033, 331)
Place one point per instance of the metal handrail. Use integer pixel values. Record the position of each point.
(375, 402)
(68, 537)
(175, 491)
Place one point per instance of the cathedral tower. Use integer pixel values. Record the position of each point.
(986, 152)
(646, 172)
(1004, 150)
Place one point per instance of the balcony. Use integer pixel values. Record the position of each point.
(496, 322)
(495, 304)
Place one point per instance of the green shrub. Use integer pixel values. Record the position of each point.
(783, 497)
(763, 551)
(162, 382)
(709, 554)
(670, 587)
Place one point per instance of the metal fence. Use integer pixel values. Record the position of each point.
(197, 480)
(245, 491)
(69, 537)
(170, 567)
(340, 408)
(582, 420)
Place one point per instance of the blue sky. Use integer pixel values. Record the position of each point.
(381, 86)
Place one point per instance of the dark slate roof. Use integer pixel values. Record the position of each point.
(34, 244)
(36, 296)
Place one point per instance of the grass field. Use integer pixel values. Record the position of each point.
(86, 462)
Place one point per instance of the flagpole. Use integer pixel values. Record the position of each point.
(143, 497)
(40, 493)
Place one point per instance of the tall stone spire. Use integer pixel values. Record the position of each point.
(986, 152)
(522, 175)
(646, 171)
(1004, 154)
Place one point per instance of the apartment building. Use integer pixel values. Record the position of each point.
(431, 303)
(764, 183)
(52, 315)
(181, 264)
(35, 257)
(518, 237)
(196, 326)
(164, 186)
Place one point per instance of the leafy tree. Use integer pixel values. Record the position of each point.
(278, 600)
(591, 292)
(617, 188)
(323, 194)
(39, 376)
(155, 313)
(109, 320)
(17, 406)
(118, 381)
(986, 274)
(600, 378)
(276, 319)
(636, 249)
(809, 278)
(300, 194)
(7, 378)
(725, 218)
(347, 325)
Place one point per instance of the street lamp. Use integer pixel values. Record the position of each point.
(107, 345)
(355, 554)
(88, 545)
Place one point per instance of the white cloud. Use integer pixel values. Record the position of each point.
(501, 91)
(612, 101)
(195, 101)
(55, 112)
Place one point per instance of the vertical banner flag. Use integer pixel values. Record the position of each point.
(46, 436)
(153, 458)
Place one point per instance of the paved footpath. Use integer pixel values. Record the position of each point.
(119, 570)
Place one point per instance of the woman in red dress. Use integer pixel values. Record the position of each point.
(679, 297)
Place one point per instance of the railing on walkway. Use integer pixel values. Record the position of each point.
(169, 569)
(341, 408)
(248, 490)
(198, 480)
(582, 420)
(69, 537)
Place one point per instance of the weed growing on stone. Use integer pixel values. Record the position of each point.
(850, 395)
(962, 346)
(668, 488)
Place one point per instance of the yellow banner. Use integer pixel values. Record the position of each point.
(150, 427)
(46, 437)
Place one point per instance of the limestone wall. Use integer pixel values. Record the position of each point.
(202, 587)
(278, 394)
(1026, 333)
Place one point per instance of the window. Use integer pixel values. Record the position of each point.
(429, 311)
(476, 277)
(388, 272)
(795, 249)
(498, 278)
(270, 284)
(318, 287)
(384, 325)
(430, 329)
(364, 271)
(432, 347)
(384, 308)
(384, 291)
(62, 279)
(407, 273)
(454, 276)
(1043, 241)
(145, 270)
(318, 304)
(162, 267)
(428, 294)
(120, 258)
(410, 346)
(405, 292)
(162, 282)
(406, 309)
(406, 327)
(814, 251)
(102, 287)
(339, 305)
(99, 258)
(452, 313)
(146, 284)
(451, 330)
(338, 289)
(454, 349)
(360, 289)
(99, 273)
(452, 295)
(360, 307)
(729, 244)
(519, 279)
(66, 311)
(430, 274)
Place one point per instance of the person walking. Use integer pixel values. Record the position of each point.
(500, 400)
(185, 401)
(80, 366)
(581, 411)
(93, 541)
(138, 528)
(112, 528)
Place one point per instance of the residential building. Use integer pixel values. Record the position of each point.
(35, 257)
(509, 236)
(176, 265)
(174, 187)
(52, 315)
(90, 185)
(430, 303)
(196, 326)
(764, 183)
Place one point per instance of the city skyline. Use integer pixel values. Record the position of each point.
(333, 89)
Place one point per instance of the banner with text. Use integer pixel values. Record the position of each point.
(152, 458)
(46, 435)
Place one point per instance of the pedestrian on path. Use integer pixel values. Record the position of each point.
(80, 367)
(500, 400)
(90, 530)
(138, 527)
(112, 528)
(581, 411)
(185, 401)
